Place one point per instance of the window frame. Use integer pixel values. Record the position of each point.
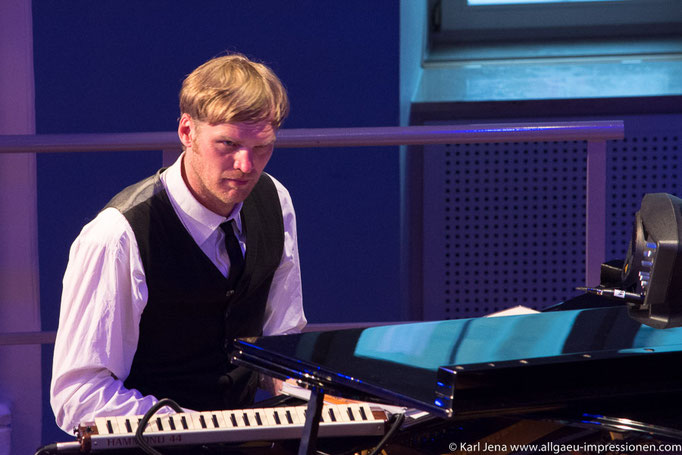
(461, 22)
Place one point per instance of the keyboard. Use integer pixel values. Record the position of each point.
(231, 426)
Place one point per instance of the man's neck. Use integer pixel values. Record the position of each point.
(217, 207)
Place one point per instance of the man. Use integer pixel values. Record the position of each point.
(178, 265)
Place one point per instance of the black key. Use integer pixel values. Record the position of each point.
(350, 414)
(246, 420)
(259, 422)
(289, 419)
(184, 423)
(363, 414)
(234, 420)
(129, 427)
(110, 429)
(159, 424)
(277, 421)
(202, 421)
(332, 415)
(215, 421)
(171, 422)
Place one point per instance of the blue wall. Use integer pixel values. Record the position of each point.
(413, 31)
(113, 66)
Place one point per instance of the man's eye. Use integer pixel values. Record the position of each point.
(262, 148)
(229, 143)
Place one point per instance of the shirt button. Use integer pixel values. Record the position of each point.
(229, 293)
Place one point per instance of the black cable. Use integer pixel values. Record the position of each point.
(389, 434)
(145, 419)
(60, 447)
(47, 450)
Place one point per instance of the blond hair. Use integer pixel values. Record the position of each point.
(232, 89)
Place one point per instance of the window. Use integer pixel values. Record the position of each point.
(496, 20)
(511, 2)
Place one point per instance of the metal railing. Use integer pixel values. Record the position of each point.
(330, 137)
(594, 133)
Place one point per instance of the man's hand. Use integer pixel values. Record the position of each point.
(271, 385)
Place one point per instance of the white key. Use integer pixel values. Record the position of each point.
(249, 418)
(187, 418)
(208, 419)
(365, 410)
(197, 419)
(258, 415)
(218, 418)
(301, 413)
(342, 413)
(152, 427)
(353, 410)
(228, 419)
(291, 412)
(332, 413)
(239, 418)
(269, 414)
(166, 422)
(129, 427)
(103, 428)
(281, 415)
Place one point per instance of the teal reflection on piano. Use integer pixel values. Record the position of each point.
(483, 365)
(431, 345)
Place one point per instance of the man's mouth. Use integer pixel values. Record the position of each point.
(238, 181)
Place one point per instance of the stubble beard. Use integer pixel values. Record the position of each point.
(218, 196)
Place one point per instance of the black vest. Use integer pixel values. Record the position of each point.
(191, 315)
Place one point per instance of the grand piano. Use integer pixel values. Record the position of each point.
(598, 374)
(590, 369)
(607, 361)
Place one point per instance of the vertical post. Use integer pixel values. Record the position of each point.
(312, 422)
(20, 366)
(412, 232)
(595, 226)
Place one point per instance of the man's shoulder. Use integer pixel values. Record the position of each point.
(285, 203)
(278, 185)
(109, 229)
(137, 194)
(282, 191)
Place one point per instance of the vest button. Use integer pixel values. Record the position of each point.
(229, 293)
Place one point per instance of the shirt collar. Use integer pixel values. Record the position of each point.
(200, 221)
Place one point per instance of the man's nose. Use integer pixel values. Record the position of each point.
(243, 160)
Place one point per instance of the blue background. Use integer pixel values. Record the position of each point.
(113, 66)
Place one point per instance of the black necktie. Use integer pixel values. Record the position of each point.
(234, 251)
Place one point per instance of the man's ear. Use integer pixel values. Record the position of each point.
(185, 130)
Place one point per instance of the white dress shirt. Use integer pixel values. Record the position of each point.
(105, 292)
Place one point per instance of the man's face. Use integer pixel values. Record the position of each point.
(223, 162)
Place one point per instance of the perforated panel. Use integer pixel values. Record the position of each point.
(648, 160)
(504, 224)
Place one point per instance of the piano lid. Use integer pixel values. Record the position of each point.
(473, 365)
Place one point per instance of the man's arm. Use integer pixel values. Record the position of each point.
(284, 312)
(104, 293)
